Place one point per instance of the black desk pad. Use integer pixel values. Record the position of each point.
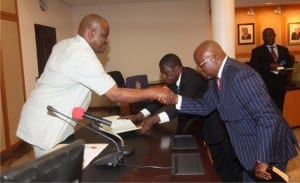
(187, 164)
(183, 142)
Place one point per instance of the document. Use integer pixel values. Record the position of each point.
(91, 151)
(119, 125)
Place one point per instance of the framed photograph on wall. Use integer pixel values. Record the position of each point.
(294, 33)
(246, 33)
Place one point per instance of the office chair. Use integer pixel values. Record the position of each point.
(137, 82)
(118, 77)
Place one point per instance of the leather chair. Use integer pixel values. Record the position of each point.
(118, 77)
(137, 82)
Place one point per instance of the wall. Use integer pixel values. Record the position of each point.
(265, 17)
(58, 15)
(141, 33)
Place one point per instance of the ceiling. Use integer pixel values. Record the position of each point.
(239, 3)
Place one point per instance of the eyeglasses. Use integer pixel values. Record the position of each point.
(204, 62)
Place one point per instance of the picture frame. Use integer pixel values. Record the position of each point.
(246, 33)
(294, 33)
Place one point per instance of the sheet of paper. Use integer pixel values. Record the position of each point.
(119, 125)
(91, 151)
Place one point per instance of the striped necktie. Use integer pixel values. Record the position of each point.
(218, 82)
(274, 55)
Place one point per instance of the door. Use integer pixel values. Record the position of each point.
(45, 39)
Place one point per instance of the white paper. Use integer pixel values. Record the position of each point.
(91, 151)
(119, 125)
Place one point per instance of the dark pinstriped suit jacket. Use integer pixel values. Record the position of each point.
(193, 85)
(256, 128)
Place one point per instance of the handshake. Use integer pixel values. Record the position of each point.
(164, 95)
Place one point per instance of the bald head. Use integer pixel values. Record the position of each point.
(208, 57)
(210, 47)
(95, 30)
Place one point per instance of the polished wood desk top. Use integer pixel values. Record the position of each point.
(152, 149)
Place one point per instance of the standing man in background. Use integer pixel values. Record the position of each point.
(187, 82)
(259, 134)
(72, 72)
(269, 59)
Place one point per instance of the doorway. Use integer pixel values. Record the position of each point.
(45, 39)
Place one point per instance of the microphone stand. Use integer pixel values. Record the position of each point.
(125, 149)
(111, 159)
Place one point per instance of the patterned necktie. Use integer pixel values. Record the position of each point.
(274, 55)
(218, 81)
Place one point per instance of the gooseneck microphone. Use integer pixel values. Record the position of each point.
(79, 113)
(111, 159)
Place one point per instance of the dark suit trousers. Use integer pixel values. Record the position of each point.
(276, 85)
(225, 161)
(223, 155)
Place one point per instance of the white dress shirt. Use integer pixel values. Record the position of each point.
(72, 71)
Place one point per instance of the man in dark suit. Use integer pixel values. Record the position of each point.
(188, 82)
(259, 134)
(268, 59)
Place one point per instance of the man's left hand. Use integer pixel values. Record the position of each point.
(260, 171)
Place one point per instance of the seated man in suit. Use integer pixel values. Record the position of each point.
(187, 82)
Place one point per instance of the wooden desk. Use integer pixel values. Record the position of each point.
(151, 149)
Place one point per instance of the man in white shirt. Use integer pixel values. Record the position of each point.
(72, 72)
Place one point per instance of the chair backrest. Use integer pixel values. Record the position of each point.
(137, 81)
(118, 77)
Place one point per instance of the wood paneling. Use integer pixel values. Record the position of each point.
(12, 82)
(265, 17)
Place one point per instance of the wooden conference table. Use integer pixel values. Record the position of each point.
(152, 149)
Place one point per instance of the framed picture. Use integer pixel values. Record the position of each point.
(246, 33)
(294, 33)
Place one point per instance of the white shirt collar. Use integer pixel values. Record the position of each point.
(221, 68)
(178, 80)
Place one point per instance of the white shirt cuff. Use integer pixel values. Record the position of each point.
(145, 112)
(163, 117)
(179, 101)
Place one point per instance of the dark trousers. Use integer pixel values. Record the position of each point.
(276, 85)
(226, 162)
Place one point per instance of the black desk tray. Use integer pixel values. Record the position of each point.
(187, 164)
(183, 142)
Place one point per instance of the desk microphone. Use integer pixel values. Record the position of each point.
(111, 159)
(79, 113)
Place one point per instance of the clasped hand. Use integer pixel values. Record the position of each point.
(166, 96)
(260, 171)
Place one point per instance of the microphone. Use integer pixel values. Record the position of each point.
(79, 113)
(111, 159)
